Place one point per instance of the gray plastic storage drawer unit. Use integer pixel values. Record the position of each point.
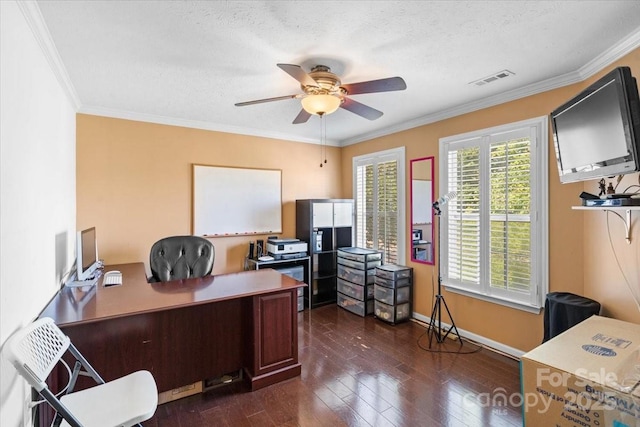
(356, 274)
(393, 293)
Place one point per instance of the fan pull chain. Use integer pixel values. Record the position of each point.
(323, 139)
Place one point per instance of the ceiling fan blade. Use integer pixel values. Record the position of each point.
(302, 117)
(260, 101)
(361, 109)
(298, 73)
(372, 86)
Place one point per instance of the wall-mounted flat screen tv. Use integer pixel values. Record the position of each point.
(597, 133)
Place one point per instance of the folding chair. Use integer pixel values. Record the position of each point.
(126, 401)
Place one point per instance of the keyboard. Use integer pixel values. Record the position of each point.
(112, 278)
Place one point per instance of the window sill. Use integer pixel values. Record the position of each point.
(501, 301)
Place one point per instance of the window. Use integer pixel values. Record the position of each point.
(495, 229)
(379, 194)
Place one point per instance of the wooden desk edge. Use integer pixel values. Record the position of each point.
(134, 281)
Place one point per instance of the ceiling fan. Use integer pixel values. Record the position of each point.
(323, 92)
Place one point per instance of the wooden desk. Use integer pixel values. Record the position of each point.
(187, 330)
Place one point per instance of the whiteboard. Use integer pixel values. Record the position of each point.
(421, 199)
(231, 201)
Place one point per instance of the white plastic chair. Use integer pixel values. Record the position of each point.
(37, 348)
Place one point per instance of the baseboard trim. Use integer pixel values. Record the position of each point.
(490, 344)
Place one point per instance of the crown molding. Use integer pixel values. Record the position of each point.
(196, 124)
(620, 49)
(33, 16)
(491, 101)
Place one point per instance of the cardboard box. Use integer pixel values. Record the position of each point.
(180, 392)
(587, 376)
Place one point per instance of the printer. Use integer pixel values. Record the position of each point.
(286, 248)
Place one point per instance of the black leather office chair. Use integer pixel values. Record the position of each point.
(181, 257)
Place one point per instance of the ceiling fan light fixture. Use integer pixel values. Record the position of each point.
(321, 104)
(323, 93)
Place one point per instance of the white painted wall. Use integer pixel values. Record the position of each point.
(37, 189)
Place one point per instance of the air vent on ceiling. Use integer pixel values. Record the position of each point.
(492, 78)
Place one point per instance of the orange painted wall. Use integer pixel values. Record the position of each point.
(580, 259)
(514, 328)
(134, 182)
(604, 280)
(611, 265)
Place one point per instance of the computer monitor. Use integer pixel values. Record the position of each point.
(87, 253)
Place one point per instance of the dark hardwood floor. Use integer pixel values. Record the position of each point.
(363, 372)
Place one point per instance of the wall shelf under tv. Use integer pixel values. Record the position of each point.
(615, 209)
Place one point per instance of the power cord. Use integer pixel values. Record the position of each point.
(67, 276)
(458, 351)
(615, 255)
(632, 186)
(618, 179)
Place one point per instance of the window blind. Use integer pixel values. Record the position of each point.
(510, 203)
(387, 210)
(379, 192)
(364, 206)
(495, 231)
(464, 215)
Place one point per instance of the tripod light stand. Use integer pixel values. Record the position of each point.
(435, 325)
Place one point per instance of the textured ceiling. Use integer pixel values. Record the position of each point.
(189, 62)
